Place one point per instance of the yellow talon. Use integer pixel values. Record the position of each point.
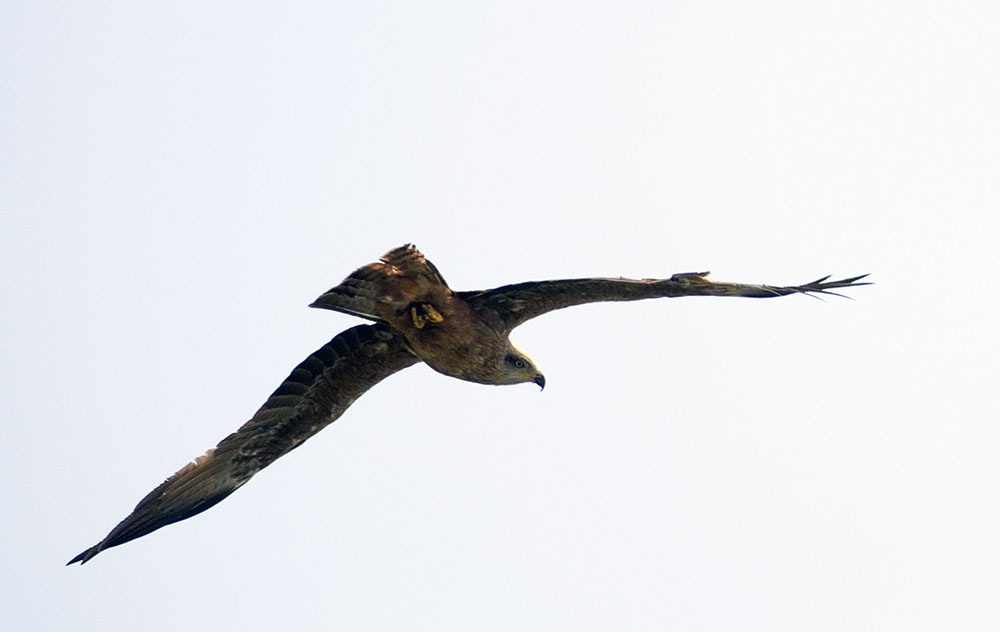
(418, 319)
(432, 314)
(423, 313)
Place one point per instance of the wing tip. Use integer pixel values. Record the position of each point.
(85, 556)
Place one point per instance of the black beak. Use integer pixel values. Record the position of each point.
(540, 380)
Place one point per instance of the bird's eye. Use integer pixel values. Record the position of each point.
(520, 363)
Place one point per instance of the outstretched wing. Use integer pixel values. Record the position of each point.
(514, 304)
(316, 393)
(402, 269)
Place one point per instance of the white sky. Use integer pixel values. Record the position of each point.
(179, 181)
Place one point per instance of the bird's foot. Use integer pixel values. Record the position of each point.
(423, 313)
(432, 314)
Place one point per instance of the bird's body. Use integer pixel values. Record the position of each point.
(461, 345)
(446, 331)
(417, 318)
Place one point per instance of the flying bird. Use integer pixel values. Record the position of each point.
(416, 318)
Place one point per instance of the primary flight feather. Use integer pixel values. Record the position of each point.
(417, 318)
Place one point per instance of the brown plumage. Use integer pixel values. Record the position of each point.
(417, 318)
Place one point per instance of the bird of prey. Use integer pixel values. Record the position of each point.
(417, 318)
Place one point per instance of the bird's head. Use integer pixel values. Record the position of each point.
(516, 367)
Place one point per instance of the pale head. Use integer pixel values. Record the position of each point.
(517, 367)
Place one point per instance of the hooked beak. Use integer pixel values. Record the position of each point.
(540, 380)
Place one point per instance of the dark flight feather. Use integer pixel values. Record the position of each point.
(313, 396)
(515, 304)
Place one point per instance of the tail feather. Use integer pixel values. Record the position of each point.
(360, 292)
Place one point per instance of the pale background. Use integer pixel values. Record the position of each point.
(179, 181)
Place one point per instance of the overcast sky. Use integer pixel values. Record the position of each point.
(179, 181)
